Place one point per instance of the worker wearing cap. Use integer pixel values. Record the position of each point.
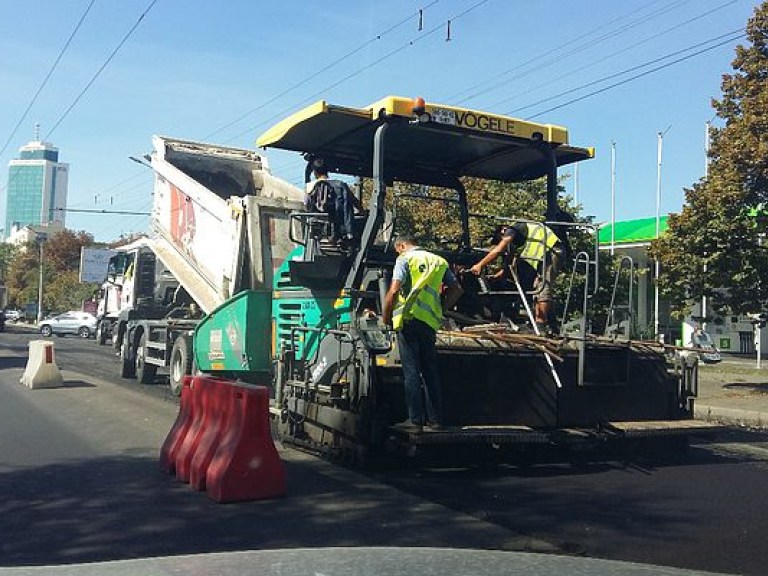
(414, 309)
(535, 244)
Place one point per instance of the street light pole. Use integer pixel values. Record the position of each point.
(657, 268)
(706, 175)
(41, 238)
(613, 197)
(657, 264)
(40, 284)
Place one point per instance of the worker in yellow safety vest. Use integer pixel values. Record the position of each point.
(538, 247)
(414, 309)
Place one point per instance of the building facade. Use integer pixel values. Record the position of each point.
(37, 187)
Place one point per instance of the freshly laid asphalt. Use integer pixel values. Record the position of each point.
(80, 482)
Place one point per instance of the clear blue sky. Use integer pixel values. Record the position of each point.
(194, 66)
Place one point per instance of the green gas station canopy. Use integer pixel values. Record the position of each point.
(632, 231)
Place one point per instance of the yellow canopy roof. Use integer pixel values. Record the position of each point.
(454, 142)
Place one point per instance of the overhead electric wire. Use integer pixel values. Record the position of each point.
(293, 87)
(614, 54)
(130, 220)
(569, 45)
(737, 33)
(642, 74)
(97, 211)
(101, 69)
(324, 69)
(359, 71)
(114, 196)
(47, 77)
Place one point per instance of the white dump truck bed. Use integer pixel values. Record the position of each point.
(219, 218)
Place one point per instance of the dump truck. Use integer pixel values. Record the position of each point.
(315, 332)
(218, 227)
(122, 290)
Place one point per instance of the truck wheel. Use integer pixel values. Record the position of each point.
(181, 363)
(117, 338)
(128, 365)
(145, 373)
(101, 334)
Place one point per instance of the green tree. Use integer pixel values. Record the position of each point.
(66, 292)
(22, 278)
(62, 252)
(715, 247)
(7, 253)
(61, 263)
(437, 224)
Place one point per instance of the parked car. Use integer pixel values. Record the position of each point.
(13, 315)
(74, 322)
(705, 346)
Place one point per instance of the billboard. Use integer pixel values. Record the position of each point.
(93, 264)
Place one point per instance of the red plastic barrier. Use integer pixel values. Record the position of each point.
(199, 400)
(246, 465)
(216, 422)
(179, 429)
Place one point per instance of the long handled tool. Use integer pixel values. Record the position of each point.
(535, 327)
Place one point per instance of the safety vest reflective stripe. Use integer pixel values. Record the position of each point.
(422, 303)
(540, 238)
(429, 310)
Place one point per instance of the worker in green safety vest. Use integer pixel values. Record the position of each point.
(537, 246)
(414, 309)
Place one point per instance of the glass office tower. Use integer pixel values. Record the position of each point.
(37, 187)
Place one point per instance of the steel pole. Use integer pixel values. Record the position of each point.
(40, 287)
(576, 183)
(657, 267)
(706, 174)
(613, 197)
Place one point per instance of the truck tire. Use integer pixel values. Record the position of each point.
(145, 373)
(101, 333)
(181, 363)
(117, 337)
(127, 364)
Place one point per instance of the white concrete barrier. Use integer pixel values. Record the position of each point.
(41, 370)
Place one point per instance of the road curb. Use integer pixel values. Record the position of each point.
(732, 416)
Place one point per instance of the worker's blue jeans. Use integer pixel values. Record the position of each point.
(418, 356)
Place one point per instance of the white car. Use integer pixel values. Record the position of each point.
(12, 315)
(81, 323)
(705, 346)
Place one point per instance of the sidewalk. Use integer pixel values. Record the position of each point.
(733, 392)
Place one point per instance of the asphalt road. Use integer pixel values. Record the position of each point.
(79, 482)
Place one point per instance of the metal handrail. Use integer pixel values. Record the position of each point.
(321, 331)
(580, 257)
(617, 276)
(302, 217)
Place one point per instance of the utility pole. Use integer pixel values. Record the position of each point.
(707, 126)
(657, 266)
(40, 240)
(613, 197)
(576, 183)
